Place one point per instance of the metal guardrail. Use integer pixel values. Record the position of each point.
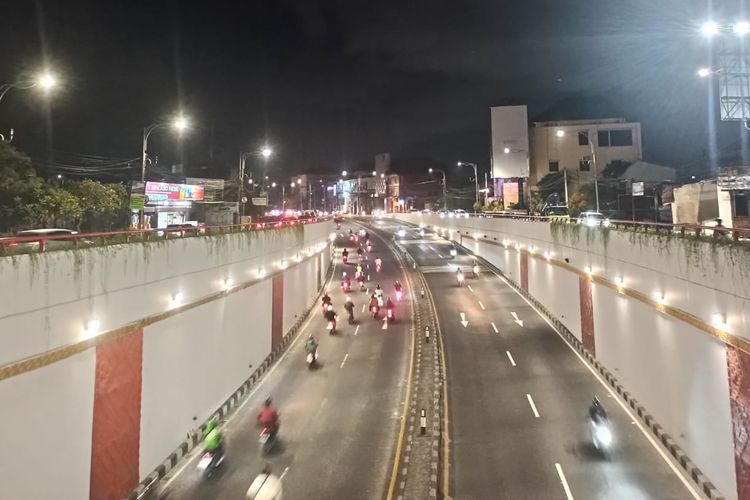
(734, 233)
(15, 245)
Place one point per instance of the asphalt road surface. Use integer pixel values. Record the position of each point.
(339, 422)
(518, 398)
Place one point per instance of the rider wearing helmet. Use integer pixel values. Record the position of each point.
(268, 417)
(212, 439)
(311, 345)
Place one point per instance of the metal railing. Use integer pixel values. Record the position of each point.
(734, 233)
(15, 245)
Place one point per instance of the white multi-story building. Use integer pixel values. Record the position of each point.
(578, 146)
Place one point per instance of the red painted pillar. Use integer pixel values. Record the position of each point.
(116, 434)
(738, 370)
(277, 310)
(587, 314)
(525, 272)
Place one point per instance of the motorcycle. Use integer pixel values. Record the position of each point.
(351, 316)
(390, 315)
(378, 267)
(338, 225)
(209, 462)
(346, 258)
(267, 440)
(475, 271)
(369, 247)
(399, 293)
(345, 286)
(375, 310)
(460, 279)
(331, 326)
(311, 358)
(601, 436)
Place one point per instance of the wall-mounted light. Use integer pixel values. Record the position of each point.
(619, 281)
(719, 321)
(283, 264)
(659, 296)
(228, 282)
(532, 249)
(261, 272)
(547, 254)
(176, 299)
(91, 329)
(588, 269)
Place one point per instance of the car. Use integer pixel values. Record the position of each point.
(58, 239)
(442, 213)
(593, 219)
(461, 213)
(426, 211)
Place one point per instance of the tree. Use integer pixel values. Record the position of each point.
(101, 204)
(20, 189)
(59, 207)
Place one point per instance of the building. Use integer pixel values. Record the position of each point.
(365, 193)
(313, 192)
(726, 198)
(581, 146)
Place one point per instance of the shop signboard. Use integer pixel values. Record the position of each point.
(638, 189)
(137, 201)
(260, 201)
(165, 191)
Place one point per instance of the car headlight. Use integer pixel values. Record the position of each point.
(401, 233)
(591, 222)
(606, 223)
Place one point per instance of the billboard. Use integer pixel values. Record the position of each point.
(510, 142)
(165, 191)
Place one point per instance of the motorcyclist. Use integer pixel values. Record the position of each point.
(330, 315)
(349, 307)
(360, 251)
(345, 254)
(379, 293)
(367, 237)
(378, 262)
(389, 305)
(397, 286)
(596, 411)
(345, 281)
(268, 417)
(311, 345)
(213, 440)
(374, 302)
(326, 300)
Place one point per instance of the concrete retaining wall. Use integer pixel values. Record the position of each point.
(96, 416)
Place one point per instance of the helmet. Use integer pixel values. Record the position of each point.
(211, 424)
(348, 299)
(344, 274)
(377, 287)
(267, 402)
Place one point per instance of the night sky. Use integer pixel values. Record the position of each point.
(331, 83)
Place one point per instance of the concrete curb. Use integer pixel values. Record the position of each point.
(700, 479)
(149, 484)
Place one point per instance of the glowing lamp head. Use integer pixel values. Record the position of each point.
(703, 72)
(560, 133)
(47, 81)
(266, 152)
(709, 29)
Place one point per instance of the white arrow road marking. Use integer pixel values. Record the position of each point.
(385, 324)
(533, 406)
(346, 356)
(519, 322)
(564, 481)
(512, 361)
(463, 320)
(481, 305)
(283, 474)
(356, 330)
(494, 327)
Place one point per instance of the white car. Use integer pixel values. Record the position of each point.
(593, 219)
(461, 213)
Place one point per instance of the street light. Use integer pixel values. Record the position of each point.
(179, 124)
(476, 179)
(45, 81)
(266, 153)
(703, 72)
(344, 173)
(445, 187)
(741, 28)
(709, 29)
(589, 140)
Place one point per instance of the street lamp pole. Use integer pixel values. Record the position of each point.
(46, 81)
(445, 187)
(476, 180)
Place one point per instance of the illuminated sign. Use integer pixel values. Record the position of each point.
(165, 191)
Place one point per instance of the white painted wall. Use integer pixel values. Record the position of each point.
(194, 361)
(300, 287)
(45, 430)
(677, 372)
(47, 298)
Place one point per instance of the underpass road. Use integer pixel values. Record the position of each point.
(518, 397)
(340, 421)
